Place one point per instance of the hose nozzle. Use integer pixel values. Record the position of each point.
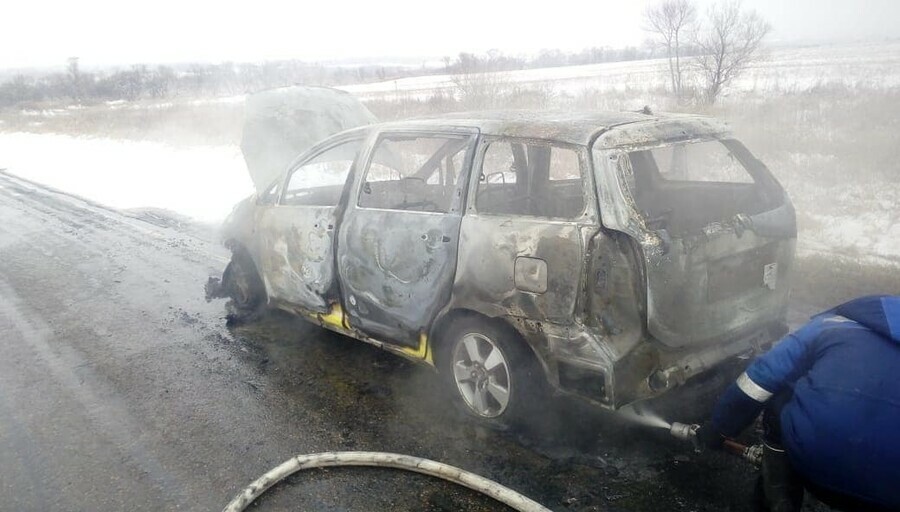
(683, 431)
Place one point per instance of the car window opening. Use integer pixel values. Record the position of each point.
(419, 173)
(530, 179)
(684, 187)
(320, 181)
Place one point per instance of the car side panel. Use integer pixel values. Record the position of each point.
(297, 256)
(524, 267)
(520, 267)
(396, 269)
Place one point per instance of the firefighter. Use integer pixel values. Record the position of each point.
(830, 397)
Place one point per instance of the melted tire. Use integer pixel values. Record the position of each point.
(245, 289)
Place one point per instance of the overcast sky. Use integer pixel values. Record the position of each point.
(101, 32)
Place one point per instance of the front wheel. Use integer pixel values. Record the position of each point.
(489, 372)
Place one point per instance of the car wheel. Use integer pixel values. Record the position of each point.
(489, 372)
(245, 289)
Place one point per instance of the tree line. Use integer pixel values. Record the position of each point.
(191, 80)
(204, 80)
(495, 60)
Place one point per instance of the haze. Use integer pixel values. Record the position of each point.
(103, 32)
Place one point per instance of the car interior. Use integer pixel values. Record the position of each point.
(682, 206)
(526, 184)
(426, 180)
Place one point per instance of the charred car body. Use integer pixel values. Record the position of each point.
(609, 255)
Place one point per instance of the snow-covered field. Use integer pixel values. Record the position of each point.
(782, 69)
(860, 221)
(201, 182)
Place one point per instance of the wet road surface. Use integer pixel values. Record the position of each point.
(122, 389)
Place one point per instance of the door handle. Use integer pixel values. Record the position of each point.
(444, 238)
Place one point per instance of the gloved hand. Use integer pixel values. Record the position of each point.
(708, 438)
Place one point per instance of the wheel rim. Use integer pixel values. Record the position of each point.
(481, 373)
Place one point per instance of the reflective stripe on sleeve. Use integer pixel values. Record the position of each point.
(752, 389)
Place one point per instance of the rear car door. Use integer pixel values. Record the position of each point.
(399, 234)
(715, 229)
(528, 221)
(296, 236)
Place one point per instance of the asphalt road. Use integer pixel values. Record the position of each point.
(122, 389)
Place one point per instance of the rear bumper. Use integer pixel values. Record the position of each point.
(582, 363)
(749, 344)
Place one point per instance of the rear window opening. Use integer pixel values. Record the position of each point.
(684, 187)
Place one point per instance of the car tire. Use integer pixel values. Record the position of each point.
(245, 289)
(489, 373)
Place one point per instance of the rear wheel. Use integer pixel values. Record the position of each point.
(489, 372)
(245, 289)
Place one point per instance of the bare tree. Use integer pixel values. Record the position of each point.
(669, 21)
(727, 45)
(73, 73)
(479, 81)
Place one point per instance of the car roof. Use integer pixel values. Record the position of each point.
(579, 127)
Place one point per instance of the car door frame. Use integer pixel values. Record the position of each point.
(410, 324)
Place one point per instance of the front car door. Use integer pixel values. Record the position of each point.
(296, 236)
(399, 233)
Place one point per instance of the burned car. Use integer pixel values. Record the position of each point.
(608, 255)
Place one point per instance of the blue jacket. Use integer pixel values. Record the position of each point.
(841, 426)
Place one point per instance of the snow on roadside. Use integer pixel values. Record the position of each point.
(873, 237)
(201, 182)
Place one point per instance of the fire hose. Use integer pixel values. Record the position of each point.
(505, 495)
(446, 472)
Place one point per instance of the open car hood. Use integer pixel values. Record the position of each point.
(282, 123)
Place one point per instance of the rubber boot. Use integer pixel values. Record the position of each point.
(779, 488)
